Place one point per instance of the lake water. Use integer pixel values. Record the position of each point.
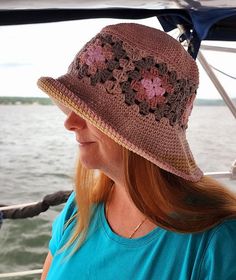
(37, 157)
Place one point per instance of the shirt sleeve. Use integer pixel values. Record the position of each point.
(219, 261)
(58, 225)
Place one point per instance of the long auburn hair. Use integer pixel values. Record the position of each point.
(169, 201)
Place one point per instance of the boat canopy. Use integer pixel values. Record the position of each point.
(199, 20)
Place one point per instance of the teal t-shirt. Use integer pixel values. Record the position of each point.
(159, 255)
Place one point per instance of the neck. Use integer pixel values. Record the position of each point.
(120, 196)
(134, 224)
(121, 200)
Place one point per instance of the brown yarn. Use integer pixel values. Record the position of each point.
(137, 85)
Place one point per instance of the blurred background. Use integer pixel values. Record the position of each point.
(37, 155)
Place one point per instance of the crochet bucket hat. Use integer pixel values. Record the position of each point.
(137, 85)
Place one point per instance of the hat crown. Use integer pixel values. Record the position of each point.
(137, 85)
(145, 65)
(158, 44)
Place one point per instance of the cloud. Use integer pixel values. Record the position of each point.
(14, 64)
(30, 51)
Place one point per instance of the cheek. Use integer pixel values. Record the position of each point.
(90, 157)
(109, 151)
(112, 151)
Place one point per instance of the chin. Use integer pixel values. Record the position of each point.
(89, 164)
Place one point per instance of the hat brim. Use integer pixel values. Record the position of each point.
(170, 152)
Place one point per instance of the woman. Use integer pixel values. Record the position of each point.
(142, 208)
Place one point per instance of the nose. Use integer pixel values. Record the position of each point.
(74, 121)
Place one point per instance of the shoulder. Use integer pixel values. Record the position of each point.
(223, 235)
(59, 224)
(70, 206)
(68, 210)
(219, 258)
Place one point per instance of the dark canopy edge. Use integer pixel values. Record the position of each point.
(224, 29)
(212, 24)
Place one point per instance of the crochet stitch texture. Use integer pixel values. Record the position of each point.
(119, 68)
(136, 84)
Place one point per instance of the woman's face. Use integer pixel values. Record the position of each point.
(96, 150)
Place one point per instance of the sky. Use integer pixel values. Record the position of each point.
(30, 51)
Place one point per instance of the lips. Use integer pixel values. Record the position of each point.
(84, 142)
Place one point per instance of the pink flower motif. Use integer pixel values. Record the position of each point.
(94, 54)
(153, 87)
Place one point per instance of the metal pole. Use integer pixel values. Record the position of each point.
(217, 83)
(216, 175)
(218, 49)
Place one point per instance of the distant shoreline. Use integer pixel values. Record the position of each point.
(6, 100)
